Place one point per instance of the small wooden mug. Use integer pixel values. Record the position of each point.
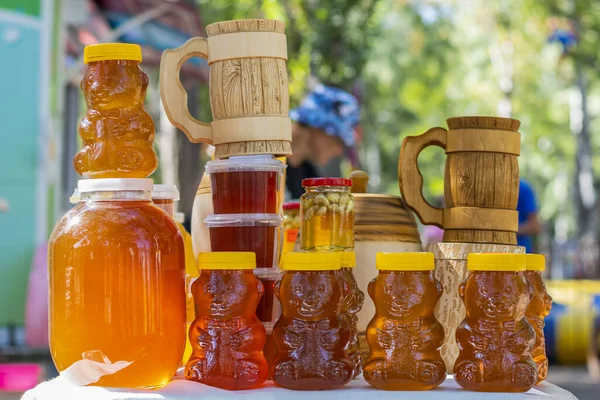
(481, 182)
(248, 88)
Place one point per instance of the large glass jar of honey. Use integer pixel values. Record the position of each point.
(116, 288)
(327, 213)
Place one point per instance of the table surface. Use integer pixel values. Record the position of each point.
(358, 389)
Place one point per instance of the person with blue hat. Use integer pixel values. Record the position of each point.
(323, 128)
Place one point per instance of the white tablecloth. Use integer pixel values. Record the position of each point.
(180, 389)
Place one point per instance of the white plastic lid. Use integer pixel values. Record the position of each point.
(75, 197)
(233, 220)
(179, 217)
(114, 184)
(261, 162)
(165, 192)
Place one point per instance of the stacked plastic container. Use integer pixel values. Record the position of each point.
(247, 206)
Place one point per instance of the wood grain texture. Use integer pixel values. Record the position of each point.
(483, 122)
(410, 178)
(245, 25)
(451, 271)
(479, 236)
(276, 147)
(482, 171)
(249, 87)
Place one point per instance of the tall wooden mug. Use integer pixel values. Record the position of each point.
(248, 88)
(481, 180)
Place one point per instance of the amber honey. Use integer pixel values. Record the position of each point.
(495, 339)
(227, 338)
(538, 309)
(116, 132)
(116, 281)
(246, 184)
(404, 337)
(309, 338)
(255, 233)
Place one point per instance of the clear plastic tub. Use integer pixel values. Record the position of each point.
(257, 233)
(246, 184)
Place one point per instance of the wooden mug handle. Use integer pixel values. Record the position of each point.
(173, 94)
(411, 180)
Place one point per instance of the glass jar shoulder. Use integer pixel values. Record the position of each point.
(116, 221)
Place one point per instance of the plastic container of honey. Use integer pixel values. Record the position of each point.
(246, 184)
(116, 275)
(165, 196)
(256, 233)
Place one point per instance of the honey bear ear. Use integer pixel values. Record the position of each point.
(371, 288)
(461, 290)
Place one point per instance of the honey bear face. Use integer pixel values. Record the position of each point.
(404, 295)
(496, 296)
(227, 294)
(309, 295)
(107, 94)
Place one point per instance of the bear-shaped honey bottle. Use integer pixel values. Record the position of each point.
(309, 338)
(351, 305)
(495, 340)
(227, 338)
(404, 337)
(116, 132)
(538, 310)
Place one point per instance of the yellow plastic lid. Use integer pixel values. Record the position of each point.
(503, 262)
(348, 259)
(227, 260)
(535, 262)
(112, 51)
(311, 261)
(405, 261)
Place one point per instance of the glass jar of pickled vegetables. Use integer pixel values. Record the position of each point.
(291, 225)
(327, 214)
(116, 288)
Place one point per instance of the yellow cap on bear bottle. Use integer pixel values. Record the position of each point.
(405, 261)
(227, 260)
(535, 262)
(112, 51)
(311, 261)
(347, 259)
(500, 262)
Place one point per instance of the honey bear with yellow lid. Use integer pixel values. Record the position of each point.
(116, 132)
(404, 337)
(310, 341)
(495, 340)
(227, 338)
(538, 309)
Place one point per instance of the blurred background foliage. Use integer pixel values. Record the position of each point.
(415, 63)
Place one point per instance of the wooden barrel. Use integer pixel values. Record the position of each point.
(248, 88)
(451, 271)
(481, 180)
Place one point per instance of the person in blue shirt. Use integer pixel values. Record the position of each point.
(529, 224)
